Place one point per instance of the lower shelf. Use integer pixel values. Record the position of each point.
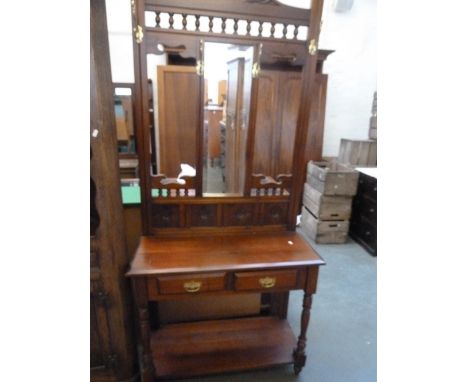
(212, 347)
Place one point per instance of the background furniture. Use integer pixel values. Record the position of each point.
(373, 119)
(363, 225)
(327, 201)
(358, 152)
(214, 115)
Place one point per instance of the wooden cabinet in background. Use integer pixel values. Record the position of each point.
(363, 227)
(213, 115)
(178, 100)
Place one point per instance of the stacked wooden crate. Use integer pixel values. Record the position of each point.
(327, 200)
(373, 119)
(357, 152)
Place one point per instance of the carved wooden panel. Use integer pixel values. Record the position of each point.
(165, 215)
(262, 185)
(274, 213)
(265, 123)
(290, 92)
(317, 119)
(204, 215)
(277, 112)
(178, 98)
(239, 214)
(164, 187)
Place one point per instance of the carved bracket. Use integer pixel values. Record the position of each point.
(164, 187)
(264, 185)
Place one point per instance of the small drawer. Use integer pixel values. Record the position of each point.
(366, 207)
(367, 186)
(286, 279)
(192, 283)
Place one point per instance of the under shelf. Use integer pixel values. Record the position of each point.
(212, 347)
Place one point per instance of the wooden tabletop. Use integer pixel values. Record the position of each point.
(156, 256)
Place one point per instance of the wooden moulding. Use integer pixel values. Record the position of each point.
(358, 152)
(324, 232)
(212, 347)
(332, 178)
(327, 207)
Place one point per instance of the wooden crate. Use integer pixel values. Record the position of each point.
(358, 152)
(332, 178)
(327, 207)
(324, 232)
(373, 127)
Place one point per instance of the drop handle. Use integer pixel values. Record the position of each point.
(267, 282)
(192, 286)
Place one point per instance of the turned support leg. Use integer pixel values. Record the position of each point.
(144, 330)
(299, 352)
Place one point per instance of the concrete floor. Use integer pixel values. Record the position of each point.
(342, 334)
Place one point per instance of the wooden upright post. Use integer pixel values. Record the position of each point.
(307, 92)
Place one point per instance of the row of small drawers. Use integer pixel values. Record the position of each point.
(286, 279)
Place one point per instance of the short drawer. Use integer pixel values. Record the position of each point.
(367, 186)
(265, 280)
(192, 283)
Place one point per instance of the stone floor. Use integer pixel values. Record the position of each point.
(342, 335)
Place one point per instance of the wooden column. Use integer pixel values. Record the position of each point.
(142, 116)
(309, 290)
(110, 290)
(144, 329)
(307, 92)
(299, 352)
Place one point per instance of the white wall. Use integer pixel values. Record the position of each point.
(352, 71)
(119, 24)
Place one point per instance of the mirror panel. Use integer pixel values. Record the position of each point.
(228, 83)
(124, 110)
(279, 93)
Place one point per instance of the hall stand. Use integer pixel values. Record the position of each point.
(195, 244)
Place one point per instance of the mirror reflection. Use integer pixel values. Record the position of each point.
(173, 94)
(125, 127)
(227, 88)
(123, 108)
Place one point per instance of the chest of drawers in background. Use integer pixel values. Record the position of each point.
(363, 224)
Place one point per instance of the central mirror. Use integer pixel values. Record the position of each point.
(217, 163)
(228, 83)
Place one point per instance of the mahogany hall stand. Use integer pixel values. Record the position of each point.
(241, 242)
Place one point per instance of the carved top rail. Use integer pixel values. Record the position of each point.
(233, 27)
(270, 9)
(255, 19)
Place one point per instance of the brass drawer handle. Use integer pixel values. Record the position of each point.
(267, 282)
(192, 286)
